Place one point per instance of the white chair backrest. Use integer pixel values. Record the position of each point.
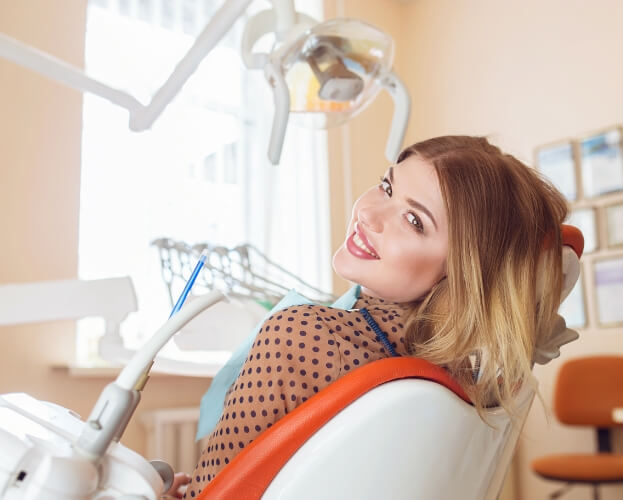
(112, 299)
(405, 440)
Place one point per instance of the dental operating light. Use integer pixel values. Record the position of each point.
(321, 74)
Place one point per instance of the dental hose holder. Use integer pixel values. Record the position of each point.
(117, 402)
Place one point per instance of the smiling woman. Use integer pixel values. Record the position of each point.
(390, 224)
(445, 253)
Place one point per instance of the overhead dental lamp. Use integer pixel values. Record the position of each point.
(321, 74)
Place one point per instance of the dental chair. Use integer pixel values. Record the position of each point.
(397, 428)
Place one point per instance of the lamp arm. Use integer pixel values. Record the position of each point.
(286, 16)
(61, 71)
(141, 117)
(262, 23)
(400, 120)
(218, 26)
(281, 96)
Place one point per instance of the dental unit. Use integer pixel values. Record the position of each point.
(47, 451)
(321, 74)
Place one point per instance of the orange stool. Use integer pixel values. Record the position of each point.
(587, 392)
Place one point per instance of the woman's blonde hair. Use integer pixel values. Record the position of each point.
(504, 230)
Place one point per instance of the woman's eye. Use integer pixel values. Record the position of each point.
(415, 221)
(386, 186)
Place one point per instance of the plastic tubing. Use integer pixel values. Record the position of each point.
(189, 284)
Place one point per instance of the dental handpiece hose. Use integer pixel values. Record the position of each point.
(134, 375)
(119, 399)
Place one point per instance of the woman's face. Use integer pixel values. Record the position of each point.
(397, 240)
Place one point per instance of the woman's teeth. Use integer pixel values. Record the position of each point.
(362, 245)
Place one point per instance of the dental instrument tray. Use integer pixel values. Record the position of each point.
(241, 271)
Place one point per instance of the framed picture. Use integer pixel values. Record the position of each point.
(573, 307)
(557, 163)
(608, 276)
(601, 163)
(585, 220)
(614, 224)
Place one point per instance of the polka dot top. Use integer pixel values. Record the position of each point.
(298, 351)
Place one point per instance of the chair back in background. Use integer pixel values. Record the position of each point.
(587, 389)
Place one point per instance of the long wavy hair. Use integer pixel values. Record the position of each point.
(504, 233)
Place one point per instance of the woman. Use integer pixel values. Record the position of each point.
(446, 250)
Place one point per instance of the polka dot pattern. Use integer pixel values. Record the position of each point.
(299, 351)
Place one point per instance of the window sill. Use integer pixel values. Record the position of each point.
(111, 371)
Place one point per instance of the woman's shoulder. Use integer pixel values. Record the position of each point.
(307, 316)
(304, 326)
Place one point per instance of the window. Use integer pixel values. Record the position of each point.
(200, 173)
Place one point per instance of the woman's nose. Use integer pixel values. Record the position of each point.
(371, 217)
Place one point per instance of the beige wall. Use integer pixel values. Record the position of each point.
(525, 74)
(40, 134)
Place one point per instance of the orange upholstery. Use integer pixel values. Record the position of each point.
(603, 467)
(588, 389)
(251, 471)
(573, 237)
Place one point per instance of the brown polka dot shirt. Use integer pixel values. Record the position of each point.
(298, 351)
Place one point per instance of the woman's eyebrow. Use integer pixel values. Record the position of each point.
(413, 203)
(419, 206)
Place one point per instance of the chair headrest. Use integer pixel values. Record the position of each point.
(548, 345)
(572, 236)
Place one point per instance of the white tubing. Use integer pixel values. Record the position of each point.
(141, 361)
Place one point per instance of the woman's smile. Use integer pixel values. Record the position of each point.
(360, 246)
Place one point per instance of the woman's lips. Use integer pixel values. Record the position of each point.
(364, 239)
(359, 246)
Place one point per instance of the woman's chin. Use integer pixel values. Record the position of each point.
(343, 265)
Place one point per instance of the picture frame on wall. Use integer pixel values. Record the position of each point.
(608, 279)
(557, 163)
(573, 308)
(614, 224)
(585, 219)
(601, 163)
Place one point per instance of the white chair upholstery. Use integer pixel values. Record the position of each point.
(405, 440)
